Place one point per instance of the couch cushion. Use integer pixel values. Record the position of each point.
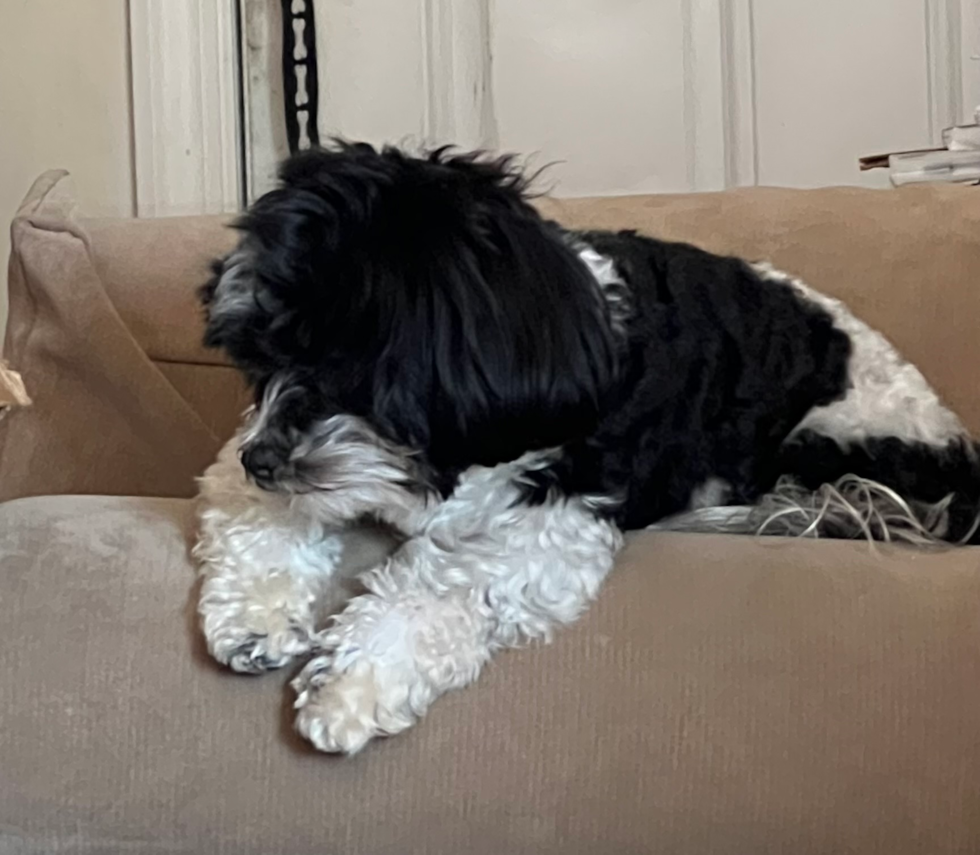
(106, 332)
(724, 695)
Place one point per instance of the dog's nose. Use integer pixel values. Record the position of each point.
(263, 462)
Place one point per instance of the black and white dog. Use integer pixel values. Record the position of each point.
(429, 354)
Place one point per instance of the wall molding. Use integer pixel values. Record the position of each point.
(457, 73)
(265, 138)
(703, 94)
(944, 58)
(185, 106)
(738, 76)
(969, 58)
(719, 94)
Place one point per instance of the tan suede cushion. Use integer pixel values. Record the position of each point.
(724, 696)
(105, 330)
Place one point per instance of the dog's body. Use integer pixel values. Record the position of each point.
(507, 397)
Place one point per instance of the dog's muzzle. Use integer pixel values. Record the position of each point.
(268, 465)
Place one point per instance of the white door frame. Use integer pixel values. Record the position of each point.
(187, 102)
(186, 122)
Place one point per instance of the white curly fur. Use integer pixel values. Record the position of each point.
(476, 573)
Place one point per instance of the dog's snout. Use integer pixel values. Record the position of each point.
(264, 462)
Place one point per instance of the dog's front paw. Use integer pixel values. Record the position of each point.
(258, 625)
(341, 709)
(254, 653)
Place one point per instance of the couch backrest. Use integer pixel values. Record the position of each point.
(105, 327)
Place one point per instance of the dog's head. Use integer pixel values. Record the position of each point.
(424, 295)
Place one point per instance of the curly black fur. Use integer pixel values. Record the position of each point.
(719, 367)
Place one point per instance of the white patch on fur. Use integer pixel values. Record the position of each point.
(347, 471)
(711, 494)
(729, 519)
(888, 396)
(612, 286)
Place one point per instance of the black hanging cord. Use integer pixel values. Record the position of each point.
(302, 115)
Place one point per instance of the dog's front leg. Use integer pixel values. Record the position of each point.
(272, 559)
(269, 569)
(392, 652)
(482, 576)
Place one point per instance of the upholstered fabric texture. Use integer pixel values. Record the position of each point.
(105, 331)
(723, 696)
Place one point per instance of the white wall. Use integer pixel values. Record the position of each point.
(632, 96)
(835, 80)
(652, 96)
(64, 102)
(596, 87)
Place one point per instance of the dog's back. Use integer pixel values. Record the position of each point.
(744, 389)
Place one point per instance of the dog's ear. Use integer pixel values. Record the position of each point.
(274, 299)
(262, 301)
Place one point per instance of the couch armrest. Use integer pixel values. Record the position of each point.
(105, 329)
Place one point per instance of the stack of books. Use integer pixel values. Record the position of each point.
(957, 162)
(942, 165)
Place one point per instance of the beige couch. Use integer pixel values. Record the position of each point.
(724, 696)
